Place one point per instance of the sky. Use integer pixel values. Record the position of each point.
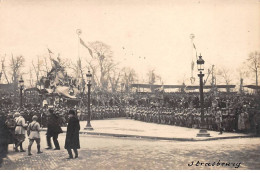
(226, 31)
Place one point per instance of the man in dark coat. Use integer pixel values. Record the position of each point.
(3, 138)
(53, 130)
(72, 136)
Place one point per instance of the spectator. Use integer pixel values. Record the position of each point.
(53, 130)
(72, 136)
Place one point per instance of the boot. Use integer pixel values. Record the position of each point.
(39, 149)
(21, 147)
(70, 154)
(76, 153)
(16, 147)
(29, 151)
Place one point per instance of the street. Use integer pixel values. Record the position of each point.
(110, 153)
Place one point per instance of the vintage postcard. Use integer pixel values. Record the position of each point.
(129, 85)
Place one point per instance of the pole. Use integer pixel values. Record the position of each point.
(201, 97)
(88, 127)
(203, 130)
(21, 96)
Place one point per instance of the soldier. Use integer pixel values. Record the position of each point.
(225, 116)
(243, 120)
(127, 111)
(119, 112)
(33, 132)
(20, 131)
(172, 117)
(103, 115)
(206, 119)
(189, 119)
(219, 120)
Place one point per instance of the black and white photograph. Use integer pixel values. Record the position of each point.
(129, 85)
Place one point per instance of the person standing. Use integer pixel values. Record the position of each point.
(10, 123)
(72, 136)
(53, 130)
(219, 120)
(3, 138)
(20, 131)
(33, 132)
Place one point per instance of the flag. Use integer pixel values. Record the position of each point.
(50, 52)
(194, 46)
(195, 49)
(90, 51)
(56, 64)
(192, 65)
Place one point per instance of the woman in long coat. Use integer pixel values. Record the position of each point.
(72, 136)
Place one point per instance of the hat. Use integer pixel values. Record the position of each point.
(17, 114)
(72, 112)
(34, 117)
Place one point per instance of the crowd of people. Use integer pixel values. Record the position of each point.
(223, 113)
(214, 119)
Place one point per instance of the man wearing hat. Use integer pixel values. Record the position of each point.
(33, 132)
(53, 130)
(219, 120)
(20, 131)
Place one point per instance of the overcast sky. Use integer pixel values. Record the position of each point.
(225, 31)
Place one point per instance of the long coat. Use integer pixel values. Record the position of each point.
(72, 136)
(53, 127)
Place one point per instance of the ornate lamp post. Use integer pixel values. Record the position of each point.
(21, 84)
(89, 77)
(203, 131)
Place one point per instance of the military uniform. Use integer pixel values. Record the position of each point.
(20, 132)
(34, 135)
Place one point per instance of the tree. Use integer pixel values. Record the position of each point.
(37, 70)
(15, 67)
(114, 78)
(129, 77)
(254, 64)
(46, 70)
(31, 78)
(15, 70)
(79, 71)
(3, 68)
(243, 73)
(102, 63)
(225, 75)
(153, 78)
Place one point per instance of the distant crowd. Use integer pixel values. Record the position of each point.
(223, 113)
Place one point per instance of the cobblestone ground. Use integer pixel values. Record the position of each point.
(99, 153)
